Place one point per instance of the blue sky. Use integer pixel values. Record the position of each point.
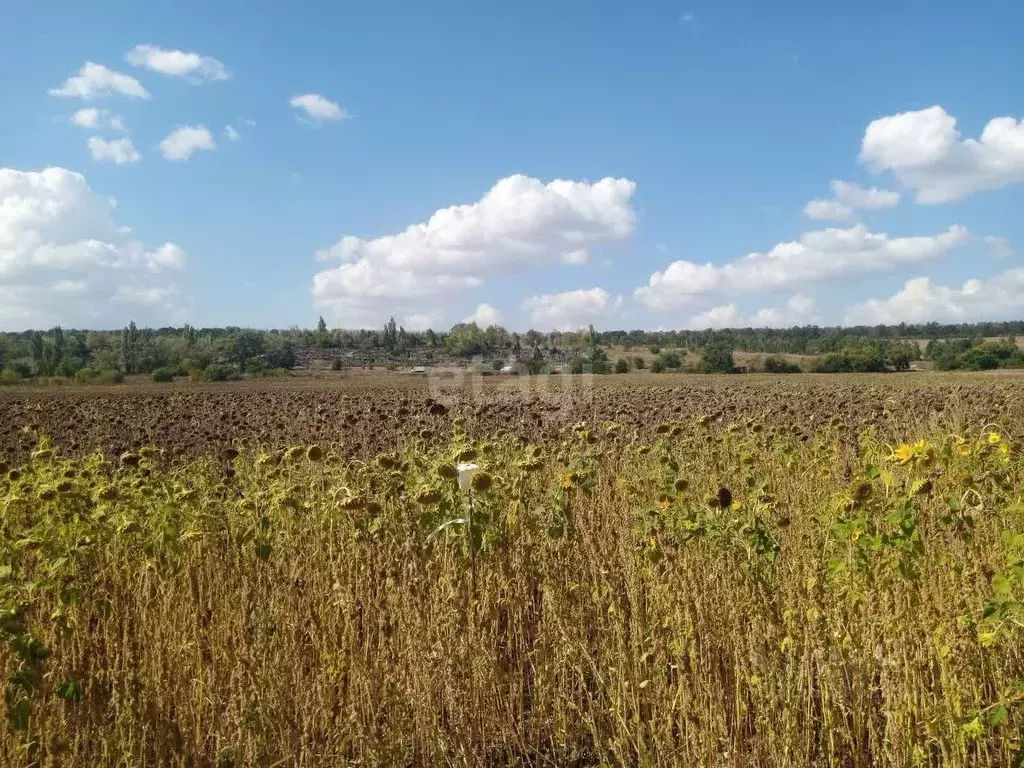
(715, 124)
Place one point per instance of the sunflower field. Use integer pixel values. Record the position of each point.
(709, 592)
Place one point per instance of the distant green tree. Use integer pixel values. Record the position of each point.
(36, 346)
(466, 340)
(218, 372)
(281, 356)
(621, 366)
(244, 344)
(129, 347)
(899, 359)
(390, 334)
(834, 362)
(535, 364)
(594, 360)
(717, 358)
(321, 332)
(670, 359)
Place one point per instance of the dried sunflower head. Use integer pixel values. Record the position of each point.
(428, 496)
(724, 497)
(481, 482)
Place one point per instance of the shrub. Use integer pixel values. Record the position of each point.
(776, 364)
(717, 359)
(280, 357)
(164, 374)
(255, 366)
(218, 372)
(9, 376)
(534, 366)
(979, 359)
(638, 363)
(20, 367)
(833, 362)
(85, 376)
(109, 377)
(1015, 360)
(852, 360)
(654, 349)
(68, 368)
(336, 364)
(657, 366)
(621, 366)
(670, 359)
(190, 364)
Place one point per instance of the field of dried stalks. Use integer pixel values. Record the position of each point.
(760, 572)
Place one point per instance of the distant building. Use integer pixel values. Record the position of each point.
(420, 369)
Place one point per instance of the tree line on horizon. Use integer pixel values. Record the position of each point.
(225, 352)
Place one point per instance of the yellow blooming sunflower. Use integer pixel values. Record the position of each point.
(904, 454)
(963, 449)
(994, 438)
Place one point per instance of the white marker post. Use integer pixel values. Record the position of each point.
(466, 471)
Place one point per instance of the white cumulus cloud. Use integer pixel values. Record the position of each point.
(521, 223)
(231, 133)
(120, 151)
(421, 321)
(570, 310)
(848, 198)
(317, 107)
(183, 64)
(63, 258)
(864, 198)
(799, 310)
(921, 301)
(183, 141)
(167, 256)
(95, 81)
(816, 255)
(925, 152)
(97, 119)
(485, 315)
(828, 210)
(998, 246)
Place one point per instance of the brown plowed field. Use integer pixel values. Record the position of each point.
(368, 415)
